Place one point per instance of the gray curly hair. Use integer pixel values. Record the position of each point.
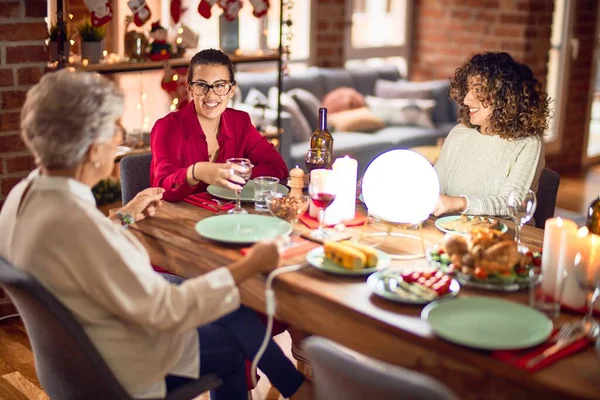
(65, 113)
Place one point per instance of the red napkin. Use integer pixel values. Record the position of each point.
(519, 358)
(313, 223)
(298, 246)
(206, 201)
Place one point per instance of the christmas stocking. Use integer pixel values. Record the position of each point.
(231, 8)
(101, 11)
(177, 10)
(141, 12)
(204, 8)
(260, 7)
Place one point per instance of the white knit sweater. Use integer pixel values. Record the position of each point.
(485, 169)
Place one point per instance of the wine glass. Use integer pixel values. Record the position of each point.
(588, 279)
(522, 209)
(317, 158)
(322, 191)
(245, 172)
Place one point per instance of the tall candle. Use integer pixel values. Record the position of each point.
(344, 206)
(573, 295)
(553, 235)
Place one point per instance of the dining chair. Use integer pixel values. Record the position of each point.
(135, 175)
(546, 197)
(337, 375)
(66, 361)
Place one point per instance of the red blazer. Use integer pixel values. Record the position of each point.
(177, 141)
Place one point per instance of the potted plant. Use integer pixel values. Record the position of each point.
(53, 44)
(92, 40)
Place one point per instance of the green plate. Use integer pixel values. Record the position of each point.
(384, 283)
(440, 221)
(316, 258)
(242, 228)
(247, 192)
(487, 323)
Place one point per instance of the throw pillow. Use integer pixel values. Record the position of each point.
(309, 105)
(342, 99)
(415, 112)
(401, 90)
(356, 120)
(301, 130)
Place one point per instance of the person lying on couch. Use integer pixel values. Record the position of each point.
(190, 146)
(153, 335)
(498, 147)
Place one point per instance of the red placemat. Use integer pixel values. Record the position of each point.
(313, 223)
(519, 358)
(206, 201)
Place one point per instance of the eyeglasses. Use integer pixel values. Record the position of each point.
(221, 88)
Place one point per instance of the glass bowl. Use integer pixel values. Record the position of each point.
(286, 207)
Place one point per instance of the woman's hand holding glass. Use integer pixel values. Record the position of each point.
(240, 168)
(220, 174)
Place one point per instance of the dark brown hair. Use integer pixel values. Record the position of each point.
(519, 104)
(210, 57)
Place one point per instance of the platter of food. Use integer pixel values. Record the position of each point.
(464, 223)
(418, 287)
(347, 258)
(485, 259)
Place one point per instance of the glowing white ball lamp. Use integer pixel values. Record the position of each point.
(400, 186)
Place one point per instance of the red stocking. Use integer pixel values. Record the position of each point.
(100, 10)
(205, 6)
(141, 12)
(176, 10)
(260, 7)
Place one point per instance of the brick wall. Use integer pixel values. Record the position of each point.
(575, 124)
(446, 32)
(327, 33)
(22, 60)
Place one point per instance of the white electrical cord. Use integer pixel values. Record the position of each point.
(270, 308)
(9, 316)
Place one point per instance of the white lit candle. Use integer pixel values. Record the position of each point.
(344, 206)
(553, 235)
(573, 295)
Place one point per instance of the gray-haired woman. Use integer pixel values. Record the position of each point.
(144, 327)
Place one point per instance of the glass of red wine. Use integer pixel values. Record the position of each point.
(317, 158)
(322, 192)
(244, 172)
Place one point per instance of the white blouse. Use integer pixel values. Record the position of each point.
(144, 327)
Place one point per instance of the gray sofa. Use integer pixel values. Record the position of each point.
(362, 146)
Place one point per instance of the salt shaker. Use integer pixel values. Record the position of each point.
(296, 182)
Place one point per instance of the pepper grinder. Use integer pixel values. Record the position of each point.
(296, 182)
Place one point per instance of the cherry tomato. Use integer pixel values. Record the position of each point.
(480, 273)
(537, 261)
(407, 277)
(422, 280)
(414, 276)
(444, 279)
(441, 251)
(529, 254)
(429, 283)
(426, 274)
(439, 274)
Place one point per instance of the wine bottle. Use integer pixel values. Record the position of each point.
(321, 138)
(593, 217)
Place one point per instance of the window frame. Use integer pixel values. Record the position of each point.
(404, 51)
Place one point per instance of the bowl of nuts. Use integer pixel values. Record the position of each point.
(288, 208)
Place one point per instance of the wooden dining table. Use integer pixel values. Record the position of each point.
(344, 310)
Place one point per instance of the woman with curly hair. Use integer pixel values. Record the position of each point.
(498, 146)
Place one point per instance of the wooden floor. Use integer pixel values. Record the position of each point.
(18, 380)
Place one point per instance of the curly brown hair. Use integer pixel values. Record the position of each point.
(519, 104)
